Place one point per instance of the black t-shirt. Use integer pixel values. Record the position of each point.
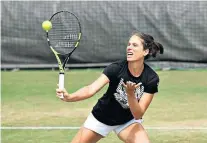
(113, 108)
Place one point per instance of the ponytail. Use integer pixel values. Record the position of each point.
(155, 48)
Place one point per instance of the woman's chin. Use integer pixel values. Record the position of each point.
(130, 60)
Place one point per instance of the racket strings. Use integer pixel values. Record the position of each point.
(65, 32)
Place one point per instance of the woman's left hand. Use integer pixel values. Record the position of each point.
(130, 87)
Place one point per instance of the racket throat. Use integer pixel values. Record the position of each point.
(66, 60)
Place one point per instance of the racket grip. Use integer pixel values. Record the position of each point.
(61, 82)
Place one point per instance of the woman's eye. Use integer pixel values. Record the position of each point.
(135, 45)
(129, 44)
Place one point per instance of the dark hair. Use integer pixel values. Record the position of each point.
(149, 43)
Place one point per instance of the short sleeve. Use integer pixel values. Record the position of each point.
(111, 71)
(152, 85)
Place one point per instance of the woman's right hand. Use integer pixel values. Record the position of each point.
(62, 94)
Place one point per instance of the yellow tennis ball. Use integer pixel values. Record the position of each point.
(47, 25)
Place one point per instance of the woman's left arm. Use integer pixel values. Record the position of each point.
(138, 108)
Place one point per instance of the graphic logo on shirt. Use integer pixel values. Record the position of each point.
(121, 95)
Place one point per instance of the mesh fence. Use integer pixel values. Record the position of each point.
(181, 27)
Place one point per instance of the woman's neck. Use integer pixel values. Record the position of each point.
(136, 67)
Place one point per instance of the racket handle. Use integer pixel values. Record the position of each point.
(61, 82)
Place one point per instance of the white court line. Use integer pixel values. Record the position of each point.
(40, 128)
(176, 128)
(75, 128)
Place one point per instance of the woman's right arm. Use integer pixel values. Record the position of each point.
(85, 92)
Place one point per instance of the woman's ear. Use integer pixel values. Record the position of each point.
(146, 52)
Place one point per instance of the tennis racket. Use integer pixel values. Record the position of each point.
(63, 39)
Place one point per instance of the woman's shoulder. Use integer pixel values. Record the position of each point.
(113, 69)
(116, 67)
(150, 72)
(119, 63)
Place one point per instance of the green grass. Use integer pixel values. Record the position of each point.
(28, 99)
(64, 136)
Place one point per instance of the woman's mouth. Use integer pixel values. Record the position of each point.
(129, 53)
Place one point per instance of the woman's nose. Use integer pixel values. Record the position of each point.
(129, 48)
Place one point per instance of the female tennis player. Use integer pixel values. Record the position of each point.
(132, 85)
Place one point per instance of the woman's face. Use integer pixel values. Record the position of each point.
(135, 50)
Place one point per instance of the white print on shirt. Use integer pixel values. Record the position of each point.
(121, 95)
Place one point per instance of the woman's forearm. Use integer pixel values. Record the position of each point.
(135, 107)
(80, 94)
